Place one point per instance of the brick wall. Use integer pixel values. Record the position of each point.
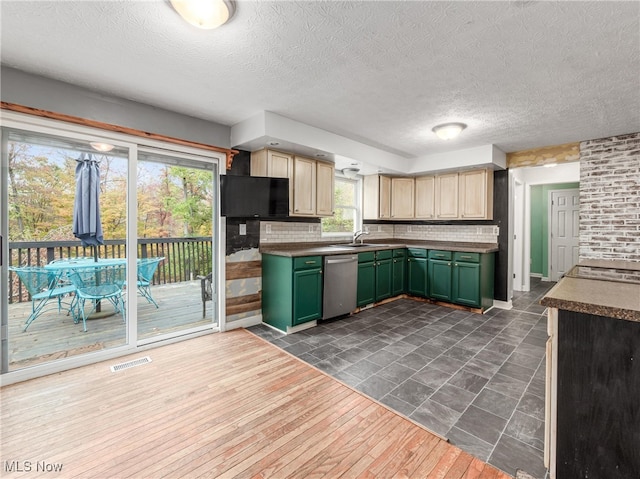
(610, 198)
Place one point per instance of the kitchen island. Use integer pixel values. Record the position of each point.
(592, 423)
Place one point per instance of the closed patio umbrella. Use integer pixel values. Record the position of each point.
(86, 208)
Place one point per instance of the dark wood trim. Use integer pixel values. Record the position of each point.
(117, 128)
(243, 269)
(243, 304)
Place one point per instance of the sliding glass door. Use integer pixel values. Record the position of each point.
(175, 222)
(49, 179)
(106, 244)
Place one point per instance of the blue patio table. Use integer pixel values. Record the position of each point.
(94, 281)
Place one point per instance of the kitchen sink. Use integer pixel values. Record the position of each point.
(357, 245)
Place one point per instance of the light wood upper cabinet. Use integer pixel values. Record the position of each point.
(476, 194)
(425, 197)
(447, 196)
(325, 186)
(311, 182)
(402, 198)
(271, 163)
(376, 197)
(304, 186)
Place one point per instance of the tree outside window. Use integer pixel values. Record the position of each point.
(346, 217)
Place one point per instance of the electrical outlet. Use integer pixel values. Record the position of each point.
(243, 229)
(268, 229)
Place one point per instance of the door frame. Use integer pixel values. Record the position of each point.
(22, 121)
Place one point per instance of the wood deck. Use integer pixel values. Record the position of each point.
(223, 405)
(54, 335)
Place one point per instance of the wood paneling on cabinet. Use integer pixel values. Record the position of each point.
(402, 198)
(447, 196)
(304, 186)
(325, 175)
(425, 197)
(476, 194)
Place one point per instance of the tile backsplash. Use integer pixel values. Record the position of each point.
(291, 232)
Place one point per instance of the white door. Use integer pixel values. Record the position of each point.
(564, 234)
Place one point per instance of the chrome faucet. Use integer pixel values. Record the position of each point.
(358, 234)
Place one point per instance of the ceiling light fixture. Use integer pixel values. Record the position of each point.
(448, 131)
(350, 172)
(101, 147)
(205, 14)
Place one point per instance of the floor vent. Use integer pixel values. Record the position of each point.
(130, 364)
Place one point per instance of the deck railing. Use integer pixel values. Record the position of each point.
(184, 258)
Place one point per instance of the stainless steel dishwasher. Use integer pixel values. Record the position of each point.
(340, 285)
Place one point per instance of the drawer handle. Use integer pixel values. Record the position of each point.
(309, 262)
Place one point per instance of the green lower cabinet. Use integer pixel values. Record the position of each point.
(366, 283)
(307, 295)
(291, 290)
(383, 279)
(399, 273)
(440, 279)
(417, 276)
(466, 284)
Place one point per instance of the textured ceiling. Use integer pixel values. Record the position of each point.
(521, 74)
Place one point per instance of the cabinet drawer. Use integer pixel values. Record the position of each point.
(366, 257)
(400, 253)
(438, 254)
(307, 262)
(417, 252)
(384, 254)
(467, 257)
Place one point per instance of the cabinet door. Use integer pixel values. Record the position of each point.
(447, 196)
(307, 295)
(399, 276)
(385, 197)
(417, 276)
(425, 197)
(366, 283)
(304, 186)
(466, 284)
(383, 279)
(440, 279)
(279, 165)
(402, 198)
(476, 194)
(324, 188)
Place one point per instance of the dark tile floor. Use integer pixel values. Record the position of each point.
(477, 380)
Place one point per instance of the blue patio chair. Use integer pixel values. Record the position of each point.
(43, 286)
(95, 283)
(146, 269)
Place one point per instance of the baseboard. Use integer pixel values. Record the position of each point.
(244, 322)
(535, 275)
(502, 304)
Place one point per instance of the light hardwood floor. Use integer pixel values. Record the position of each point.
(222, 405)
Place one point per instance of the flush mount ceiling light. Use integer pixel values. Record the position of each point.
(205, 14)
(101, 147)
(350, 172)
(448, 131)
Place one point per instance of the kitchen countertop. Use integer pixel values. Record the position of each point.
(327, 249)
(603, 288)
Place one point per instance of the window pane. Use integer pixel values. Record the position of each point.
(345, 193)
(341, 222)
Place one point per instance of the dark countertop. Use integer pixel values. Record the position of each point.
(602, 296)
(327, 249)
